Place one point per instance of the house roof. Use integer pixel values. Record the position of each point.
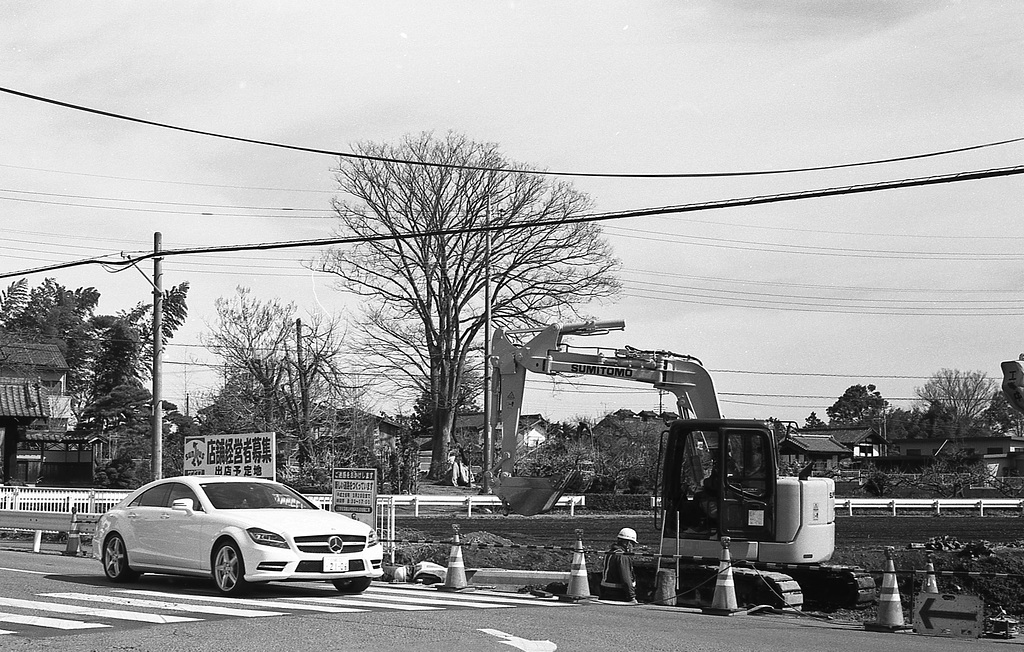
(848, 436)
(816, 444)
(475, 421)
(39, 356)
(24, 400)
(53, 437)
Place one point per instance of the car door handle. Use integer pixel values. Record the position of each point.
(132, 515)
(164, 517)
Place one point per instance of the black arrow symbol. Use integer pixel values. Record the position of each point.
(927, 613)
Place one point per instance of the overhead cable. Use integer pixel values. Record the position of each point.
(600, 217)
(481, 168)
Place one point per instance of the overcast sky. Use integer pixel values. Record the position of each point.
(788, 303)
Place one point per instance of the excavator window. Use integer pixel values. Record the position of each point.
(719, 482)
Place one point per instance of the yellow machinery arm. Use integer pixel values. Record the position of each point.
(545, 353)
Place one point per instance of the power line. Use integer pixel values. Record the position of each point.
(385, 159)
(663, 210)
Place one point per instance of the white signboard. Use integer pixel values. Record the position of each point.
(251, 455)
(952, 616)
(355, 494)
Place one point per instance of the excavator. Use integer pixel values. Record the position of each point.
(1013, 382)
(718, 477)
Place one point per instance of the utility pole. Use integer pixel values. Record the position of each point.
(158, 353)
(303, 390)
(485, 484)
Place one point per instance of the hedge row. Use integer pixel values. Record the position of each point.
(618, 503)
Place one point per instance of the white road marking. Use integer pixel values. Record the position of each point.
(22, 570)
(42, 621)
(370, 603)
(168, 606)
(425, 600)
(475, 596)
(521, 643)
(117, 614)
(271, 604)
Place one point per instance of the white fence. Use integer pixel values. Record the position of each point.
(934, 505)
(97, 501)
(42, 509)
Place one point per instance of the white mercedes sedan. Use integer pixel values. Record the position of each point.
(239, 531)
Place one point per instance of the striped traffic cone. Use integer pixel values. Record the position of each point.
(931, 585)
(579, 579)
(724, 603)
(890, 608)
(455, 577)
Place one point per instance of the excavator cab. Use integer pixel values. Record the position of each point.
(719, 479)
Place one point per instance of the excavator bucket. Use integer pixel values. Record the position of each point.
(530, 496)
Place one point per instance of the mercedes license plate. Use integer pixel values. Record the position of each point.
(335, 564)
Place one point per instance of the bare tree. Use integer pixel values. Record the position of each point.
(423, 257)
(281, 374)
(964, 394)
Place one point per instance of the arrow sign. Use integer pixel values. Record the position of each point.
(927, 613)
(521, 643)
(957, 616)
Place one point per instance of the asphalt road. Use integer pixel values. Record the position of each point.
(186, 615)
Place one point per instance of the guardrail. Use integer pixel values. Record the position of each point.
(97, 501)
(934, 505)
(73, 523)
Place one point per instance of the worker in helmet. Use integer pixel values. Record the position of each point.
(617, 579)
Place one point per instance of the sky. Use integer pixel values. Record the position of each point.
(788, 304)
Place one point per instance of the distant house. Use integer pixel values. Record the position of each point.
(35, 415)
(862, 441)
(468, 432)
(822, 451)
(626, 415)
(1004, 456)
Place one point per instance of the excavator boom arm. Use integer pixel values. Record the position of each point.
(545, 353)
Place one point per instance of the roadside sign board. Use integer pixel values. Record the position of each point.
(952, 616)
(355, 494)
(251, 455)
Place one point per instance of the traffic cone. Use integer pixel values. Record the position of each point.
(74, 538)
(455, 577)
(579, 579)
(724, 603)
(890, 609)
(930, 583)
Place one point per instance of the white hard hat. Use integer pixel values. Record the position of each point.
(627, 533)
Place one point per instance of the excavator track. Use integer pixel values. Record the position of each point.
(829, 587)
(820, 587)
(752, 586)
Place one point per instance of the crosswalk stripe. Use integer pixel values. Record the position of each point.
(473, 596)
(117, 614)
(370, 603)
(168, 606)
(270, 604)
(425, 600)
(43, 621)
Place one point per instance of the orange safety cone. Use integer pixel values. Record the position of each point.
(579, 579)
(74, 538)
(890, 608)
(931, 585)
(455, 577)
(724, 602)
